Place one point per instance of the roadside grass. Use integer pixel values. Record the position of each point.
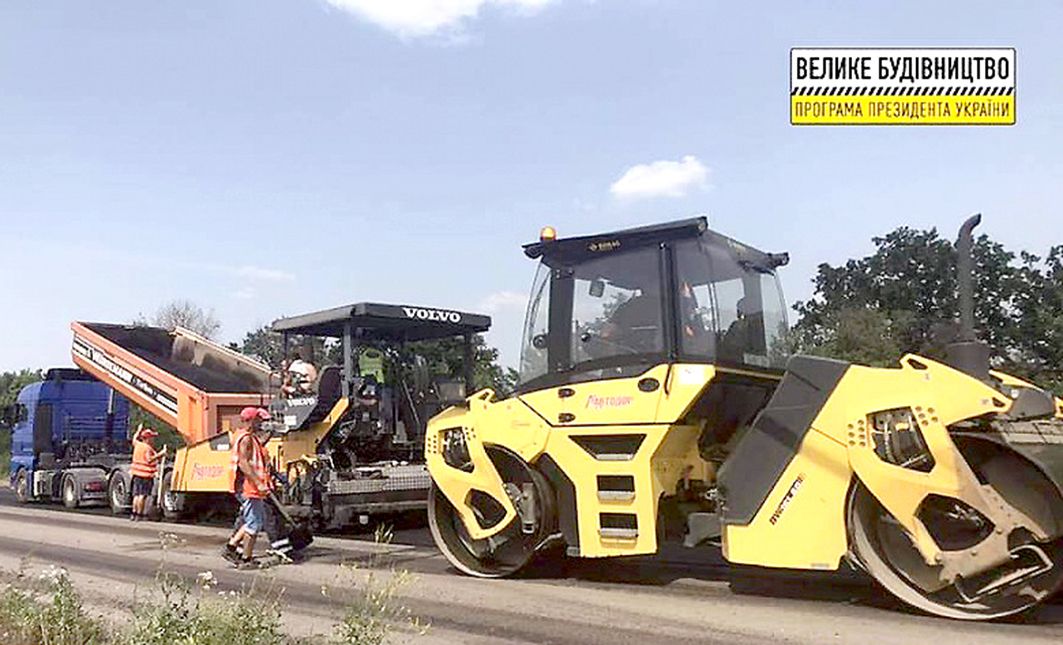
(177, 613)
(47, 610)
(372, 611)
(5, 453)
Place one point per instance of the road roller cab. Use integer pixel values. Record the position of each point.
(658, 401)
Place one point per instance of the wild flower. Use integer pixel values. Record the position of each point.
(206, 580)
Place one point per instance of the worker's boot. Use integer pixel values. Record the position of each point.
(248, 563)
(232, 554)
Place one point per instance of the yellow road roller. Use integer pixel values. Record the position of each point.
(658, 401)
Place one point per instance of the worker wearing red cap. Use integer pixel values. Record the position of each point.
(143, 469)
(249, 480)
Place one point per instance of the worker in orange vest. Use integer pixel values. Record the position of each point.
(144, 468)
(250, 482)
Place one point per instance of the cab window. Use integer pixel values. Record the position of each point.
(730, 309)
(533, 354)
(616, 307)
(597, 318)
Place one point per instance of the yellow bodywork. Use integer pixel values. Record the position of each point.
(1012, 381)
(523, 425)
(811, 531)
(802, 522)
(204, 467)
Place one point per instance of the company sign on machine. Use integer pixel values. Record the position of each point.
(902, 86)
(100, 359)
(419, 313)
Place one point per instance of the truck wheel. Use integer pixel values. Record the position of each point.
(71, 499)
(22, 487)
(118, 493)
(173, 504)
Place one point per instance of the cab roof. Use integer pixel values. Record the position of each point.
(590, 245)
(575, 249)
(377, 321)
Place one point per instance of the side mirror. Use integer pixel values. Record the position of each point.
(597, 288)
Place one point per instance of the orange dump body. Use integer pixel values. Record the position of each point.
(195, 385)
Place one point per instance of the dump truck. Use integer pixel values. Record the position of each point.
(658, 401)
(344, 456)
(192, 384)
(68, 441)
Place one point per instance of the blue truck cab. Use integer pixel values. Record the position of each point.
(69, 438)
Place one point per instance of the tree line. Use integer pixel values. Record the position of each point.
(443, 357)
(901, 298)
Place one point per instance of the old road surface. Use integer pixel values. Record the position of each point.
(678, 597)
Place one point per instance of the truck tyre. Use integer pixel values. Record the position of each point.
(173, 504)
(118, 493)
(71, 498)
(22, 487)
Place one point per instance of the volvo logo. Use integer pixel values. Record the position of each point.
(418, 313)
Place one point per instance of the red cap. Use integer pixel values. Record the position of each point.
(249, 413)
(148, 433)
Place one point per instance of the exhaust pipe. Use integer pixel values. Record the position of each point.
(967, 353)
(965, 277)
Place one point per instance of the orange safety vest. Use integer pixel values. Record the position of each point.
(143, 460)
(259, 462)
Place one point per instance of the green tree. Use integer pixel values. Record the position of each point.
(11, 383)
(902, 298)
(264, 344)
(168, 435)
(1040, 319)
(446, 357)
(864, 335)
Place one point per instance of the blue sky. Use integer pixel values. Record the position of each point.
(270, 157)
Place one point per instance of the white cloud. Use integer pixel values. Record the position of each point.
(263, 274)
(418, 18)
(662, 179)
(246, 293)
(503, 301)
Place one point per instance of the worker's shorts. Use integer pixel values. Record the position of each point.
(142, 486)
(253, 513)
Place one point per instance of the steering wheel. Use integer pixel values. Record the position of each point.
(586, 337)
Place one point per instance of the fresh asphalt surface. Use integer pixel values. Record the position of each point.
(680, 596)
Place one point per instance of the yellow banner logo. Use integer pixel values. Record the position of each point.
(902, 86)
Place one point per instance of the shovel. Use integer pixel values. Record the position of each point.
(157, 512)
(299, 536)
